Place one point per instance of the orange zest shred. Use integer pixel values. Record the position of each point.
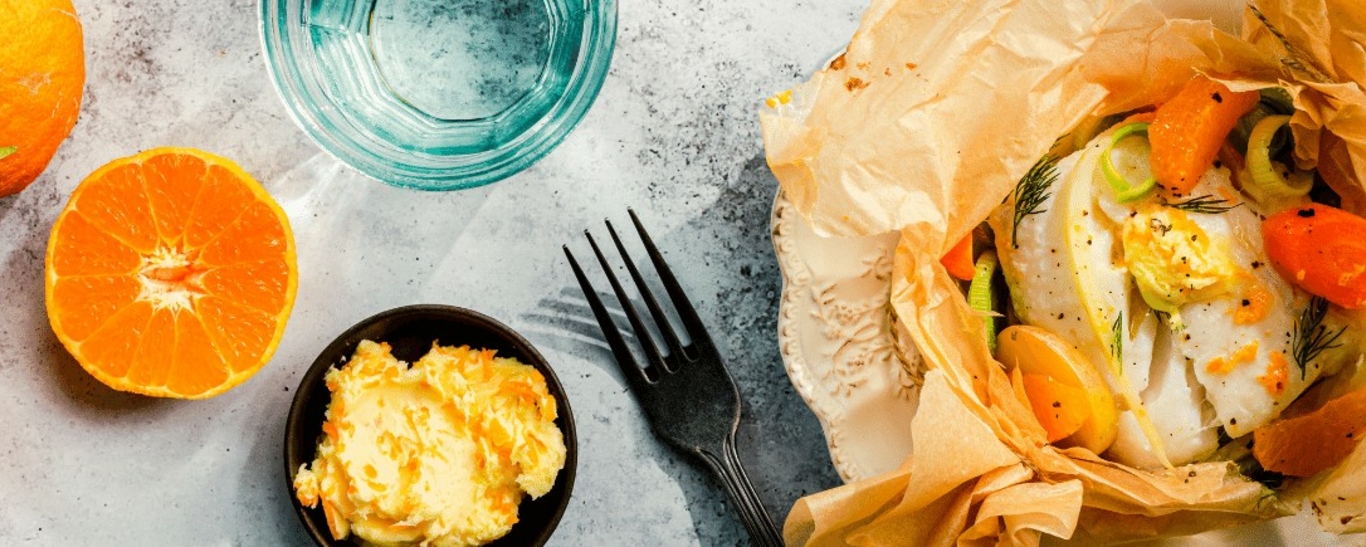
(339, 527)
(1255, 304)
(1219, 365)
(1245, 354)
(1277, 375)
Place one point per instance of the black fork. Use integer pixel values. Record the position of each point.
(687, 394)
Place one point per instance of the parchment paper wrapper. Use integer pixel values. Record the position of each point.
(923, 126)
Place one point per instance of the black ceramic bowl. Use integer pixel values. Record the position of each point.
(410, 331)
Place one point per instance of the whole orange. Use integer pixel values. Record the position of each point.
(42, 76)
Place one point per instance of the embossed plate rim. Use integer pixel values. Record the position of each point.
(796, 309)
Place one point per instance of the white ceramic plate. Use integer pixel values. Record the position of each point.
(835, 336)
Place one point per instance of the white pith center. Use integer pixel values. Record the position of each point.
(170, 279)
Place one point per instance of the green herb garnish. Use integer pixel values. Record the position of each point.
(1312, 337)
(1117, 340)
(1032, 190)
(1205, 205)
(1294, 59)
(7, 150)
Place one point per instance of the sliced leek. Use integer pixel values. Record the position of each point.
(1124, 192)
(1267, 181)
(981, 293)
(1275, 101)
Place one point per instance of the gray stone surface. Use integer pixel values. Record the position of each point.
(673, 134)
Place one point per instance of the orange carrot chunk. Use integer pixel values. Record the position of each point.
(1305, 445)
(1188, 130)
(1320, 249)
(958, 261)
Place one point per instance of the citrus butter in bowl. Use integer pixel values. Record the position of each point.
(430, 424)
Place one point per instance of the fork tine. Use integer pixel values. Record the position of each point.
(696, 330)
(647, 342)
(635, 376)
(670, 338)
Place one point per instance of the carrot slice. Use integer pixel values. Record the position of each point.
(958, 261)
(1188, 130)
(1320, 249)
(1305, 445)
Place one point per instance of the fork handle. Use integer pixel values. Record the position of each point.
(731, 471)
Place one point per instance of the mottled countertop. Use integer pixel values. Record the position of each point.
(673, 134)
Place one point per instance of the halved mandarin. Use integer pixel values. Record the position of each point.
(1067, 393)
(171, 273)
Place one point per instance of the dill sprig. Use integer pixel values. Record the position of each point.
(1312, 337)
(1117, 340)
(1205, 205)
(1032, 190)
(1294, 59)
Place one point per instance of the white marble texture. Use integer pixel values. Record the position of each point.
(673, 133)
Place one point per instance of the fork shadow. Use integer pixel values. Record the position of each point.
(724, 259)
(780, 441)
(565, 323)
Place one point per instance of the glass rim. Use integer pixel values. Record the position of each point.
(343, 137)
